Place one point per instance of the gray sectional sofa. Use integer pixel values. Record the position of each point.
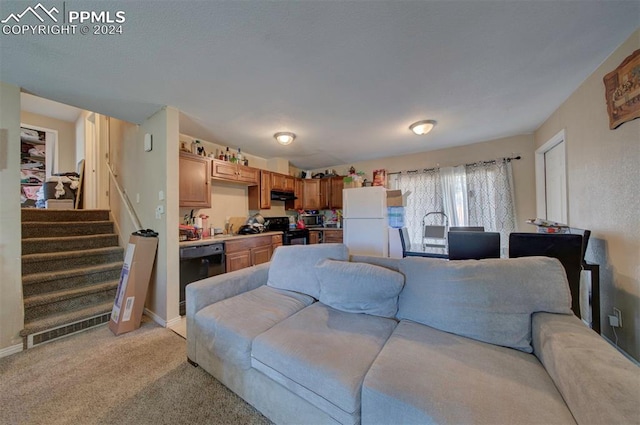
(317, 337)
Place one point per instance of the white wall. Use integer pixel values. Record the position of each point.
(523, 169)
(11, 304)
(146, 174)
(603, 173)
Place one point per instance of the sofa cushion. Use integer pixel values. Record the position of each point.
(228, 327)
(359, 287)
(427, 376)
(322, 355)
(489, 300)
(608, 393)
(292, 266)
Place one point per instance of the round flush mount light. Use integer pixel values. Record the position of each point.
(421, 128)
(284, 137)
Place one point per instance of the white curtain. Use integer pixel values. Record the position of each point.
(490, 199)
(454, 195)
(473, 195)
(425, 196)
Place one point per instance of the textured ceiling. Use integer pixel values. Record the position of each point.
(348, 77)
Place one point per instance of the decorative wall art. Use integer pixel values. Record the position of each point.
(622, 91)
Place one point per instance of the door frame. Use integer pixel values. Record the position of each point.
(541, 199)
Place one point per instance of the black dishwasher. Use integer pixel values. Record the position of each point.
(199, 262)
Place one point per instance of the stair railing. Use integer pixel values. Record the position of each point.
(125, 200)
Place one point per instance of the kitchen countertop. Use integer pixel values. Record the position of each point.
(222, 238)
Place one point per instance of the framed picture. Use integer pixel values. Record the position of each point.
(622, 91)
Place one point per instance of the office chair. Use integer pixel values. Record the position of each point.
(473, 245)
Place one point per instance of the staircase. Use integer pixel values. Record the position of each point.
(71, 264)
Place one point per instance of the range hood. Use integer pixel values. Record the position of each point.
(278, 195)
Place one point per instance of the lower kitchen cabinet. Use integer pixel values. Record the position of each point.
(251, 251)
(332, 236)
(314, 237)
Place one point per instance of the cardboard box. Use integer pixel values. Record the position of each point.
(128, 306)
(395, 198)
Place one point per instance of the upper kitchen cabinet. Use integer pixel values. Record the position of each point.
(194, 187)
(260, 196)
(311, 194)
(331, 193)
(282, 182)
(229, 171)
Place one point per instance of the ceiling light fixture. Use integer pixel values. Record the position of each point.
(421, 128)
(284, 137)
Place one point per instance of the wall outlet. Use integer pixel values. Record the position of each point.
(615, 319)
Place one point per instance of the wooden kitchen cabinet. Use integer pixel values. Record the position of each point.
(260, 196)
(251, 251)
(193, 181)
(289, 184)
(277, 181)
(332, 235)
(311, 194)
(331, 193)
(229, 171)
(337, 184)
(298, 190)
(314, 237)
(282, 182)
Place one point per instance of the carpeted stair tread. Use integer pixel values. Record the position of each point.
(37, 214)
(65, 255)
(64, 318)
(55, 296)
(52, 261)
(68, 243)
(68, 274)
(37, 229)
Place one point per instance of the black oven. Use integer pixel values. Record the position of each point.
(295, 237)
(289, 236)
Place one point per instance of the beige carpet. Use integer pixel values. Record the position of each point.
(94, 377)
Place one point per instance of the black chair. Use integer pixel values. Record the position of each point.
(466, 229)
(406, 246)
(565, 247)
(473, 245)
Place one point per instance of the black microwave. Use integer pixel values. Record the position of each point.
(312, 220)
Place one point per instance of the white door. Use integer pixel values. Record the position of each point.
(555, 183)
(551, 180)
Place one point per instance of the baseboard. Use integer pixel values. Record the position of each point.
(624, 353)
(173, 322)
(159, 320)
(7, 351)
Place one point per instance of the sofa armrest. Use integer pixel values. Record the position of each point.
(596, 381)
(217, 288)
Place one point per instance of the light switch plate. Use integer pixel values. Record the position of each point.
(148, 142)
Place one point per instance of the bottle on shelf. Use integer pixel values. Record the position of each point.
(239, 157)
(227, 155)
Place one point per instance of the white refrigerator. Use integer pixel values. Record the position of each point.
(364, 221)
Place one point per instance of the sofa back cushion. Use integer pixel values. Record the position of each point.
(359, 287)
(488, 300)
(292, 266)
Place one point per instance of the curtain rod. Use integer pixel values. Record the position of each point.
(493, 161)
